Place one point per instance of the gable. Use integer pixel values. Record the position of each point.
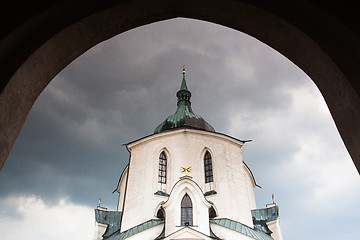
(187, 233)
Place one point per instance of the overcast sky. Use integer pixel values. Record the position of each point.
(70, 151)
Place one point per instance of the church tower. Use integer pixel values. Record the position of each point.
(187, 181)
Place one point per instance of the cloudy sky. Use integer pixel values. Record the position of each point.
(70, 151)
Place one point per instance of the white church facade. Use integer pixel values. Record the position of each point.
(187, 181)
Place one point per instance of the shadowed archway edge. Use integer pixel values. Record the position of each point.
(324, 48)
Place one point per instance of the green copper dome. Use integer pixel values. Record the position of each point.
(184, 117)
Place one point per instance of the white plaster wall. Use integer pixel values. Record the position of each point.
(200, 207)
(250, 184)
(274, 226)
(228, 234)
(100, 229)
(121, 189)
(232, 200)
(187, 234)
(140, 202)
(186, 146)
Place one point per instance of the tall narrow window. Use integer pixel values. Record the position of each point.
(208, 168)
(186, 211)
(162, 168)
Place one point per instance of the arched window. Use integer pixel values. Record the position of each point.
(186, 211)
(208, 168)
(162, 168)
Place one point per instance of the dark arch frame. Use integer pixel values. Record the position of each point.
(39, 41)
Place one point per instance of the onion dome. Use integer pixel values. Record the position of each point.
(184, 116)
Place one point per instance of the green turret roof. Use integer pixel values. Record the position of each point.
(183, 83)
(184, 116)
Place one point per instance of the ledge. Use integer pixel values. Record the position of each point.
(212, 192)
(161, 193)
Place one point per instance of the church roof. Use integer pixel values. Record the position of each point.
(184, 117)
(241, 228)
(134, 230)
(264, 215)
(113, 220)
(267, 214)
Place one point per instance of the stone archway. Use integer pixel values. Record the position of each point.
(326, 49)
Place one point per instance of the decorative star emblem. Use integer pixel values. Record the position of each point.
(186, 169)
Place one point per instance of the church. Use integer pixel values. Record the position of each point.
(187, 181)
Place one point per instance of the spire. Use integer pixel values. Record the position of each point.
(184, 94)
(183, 83)
(184, 116)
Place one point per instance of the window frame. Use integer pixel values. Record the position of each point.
(162, 170)
(208, 168)
(186, 218)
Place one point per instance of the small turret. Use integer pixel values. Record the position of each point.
(183, 94)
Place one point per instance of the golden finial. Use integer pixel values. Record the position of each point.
(186, 169)
(273, 198)
(183, 69)
(99, 201)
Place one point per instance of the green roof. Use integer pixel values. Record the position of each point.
(267, 214)
(111, 218)
(241, 228)
(184, 115)
(264, 215)
(134, 230)
(183, 84)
